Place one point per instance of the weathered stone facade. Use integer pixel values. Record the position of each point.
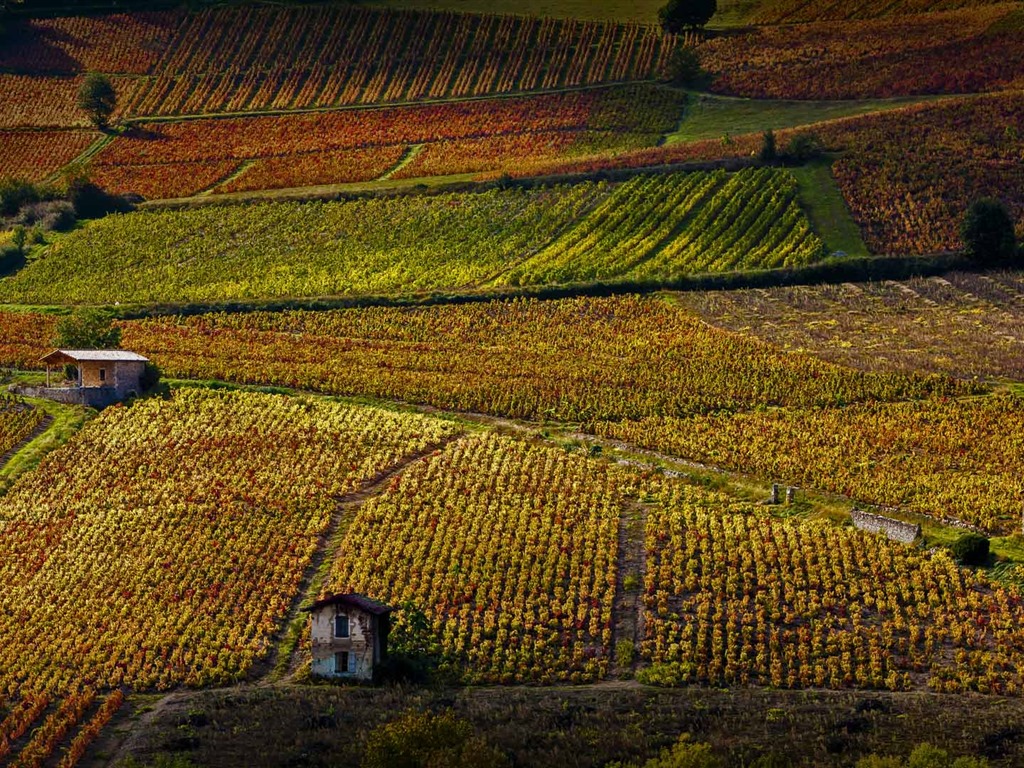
(895, 530)
(349, 636)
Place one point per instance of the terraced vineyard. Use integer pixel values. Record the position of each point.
(795, 11)
(181, 158)
(570, 360)
(649, 227)
(953, 459)
(735, 598)
(514, 551)
(968, 325)
(230, 60)
(954, 52)
(190, 489)
(17, 420)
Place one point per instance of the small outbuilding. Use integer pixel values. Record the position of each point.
(102, 376)
(349, 633)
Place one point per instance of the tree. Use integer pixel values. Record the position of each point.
(769, 153)
(987, 232)
(97, 98)
(679, 15)
(87, 328)
(971, 549)
(684, 69)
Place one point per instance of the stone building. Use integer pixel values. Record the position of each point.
(349, 634)
(102, 376)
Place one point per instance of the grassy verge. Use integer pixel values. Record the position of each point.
(827, 210)
(711, 117)
(67, 420)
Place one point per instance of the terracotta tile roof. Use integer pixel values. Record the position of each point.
(353, 600)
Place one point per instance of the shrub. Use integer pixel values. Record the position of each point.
(15, 193)
(91, 201)
(769, 153)
(420, 739)
(971, 549)
(804, 148)
(684, 68)
(49, 216)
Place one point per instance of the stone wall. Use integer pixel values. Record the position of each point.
(94, 397)
(895, 530)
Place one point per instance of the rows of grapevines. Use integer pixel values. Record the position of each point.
(796, 11)
(34, 155)
(24, 338)
(123, 43)
(496, 155)
(459, 138)
(956, 52)
(946, 458)
(376, 246)
(913, 202)
(234, 59)
(568, 360)
(50, 102)
(668, 225)
(508, 547)
(164, 543)
(17, 421)
(316, 168)
(734, 598)
(888, 325)
(35, 730)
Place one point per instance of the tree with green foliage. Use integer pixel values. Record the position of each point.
(87, 328)
(987, 233)
(97, 98)
(769, 152)
(677, 16)
(424, 740)
(684, 69)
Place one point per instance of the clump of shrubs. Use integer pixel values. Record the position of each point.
(971, 549)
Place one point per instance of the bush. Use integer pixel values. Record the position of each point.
(92, 202)
(150, 377)
(769, 153)
(684, 69)
(49, 216)
(683, 754)
(987, 233)
(971, 549)
(804, 148)
(422, 740)
(15, 193)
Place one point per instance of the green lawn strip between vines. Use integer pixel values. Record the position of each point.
(707, 116)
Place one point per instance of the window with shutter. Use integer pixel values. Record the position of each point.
(341, 625)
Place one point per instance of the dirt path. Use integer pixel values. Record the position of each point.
(41, 427)
(273, 668)
(627, 606)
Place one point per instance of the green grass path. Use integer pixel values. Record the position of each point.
(827, 210)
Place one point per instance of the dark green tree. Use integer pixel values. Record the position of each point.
(684, 69)
(769, 152)
(87, 328)
(987, 233)
(97, 98)
(680, 15)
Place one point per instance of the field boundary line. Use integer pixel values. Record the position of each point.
(411, 153)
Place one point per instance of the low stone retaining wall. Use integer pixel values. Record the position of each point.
(895, 530)
(94, 397)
